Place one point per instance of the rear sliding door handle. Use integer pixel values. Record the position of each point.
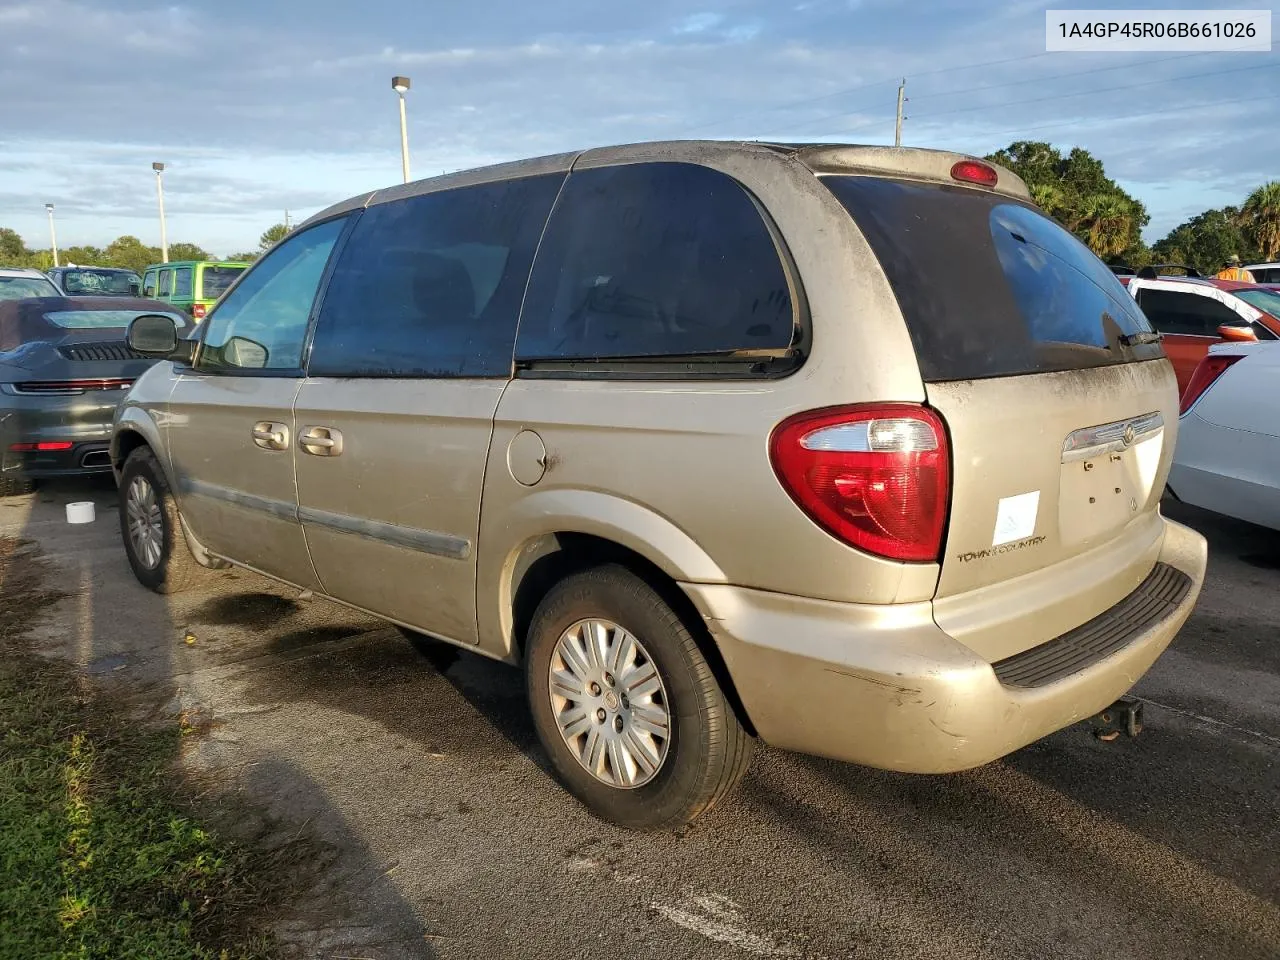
(271, 435)
(321, 441)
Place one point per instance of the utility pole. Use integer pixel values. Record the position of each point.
(897, 127)
(286, 220)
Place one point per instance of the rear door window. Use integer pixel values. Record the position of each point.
(430, 286)
(182, 283)
(655, 260)
(166, 283)
(988, 286)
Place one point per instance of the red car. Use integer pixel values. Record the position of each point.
(1193, 313)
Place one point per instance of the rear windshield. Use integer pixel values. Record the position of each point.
(217, 279)
(1268, 300)
(101, 283)
(990, 287)
(102, 319)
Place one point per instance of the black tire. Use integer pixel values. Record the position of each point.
(440, 654)
(177, 569)
(708, 751)
(11, 486)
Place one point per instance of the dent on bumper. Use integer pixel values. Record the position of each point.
(884, 686)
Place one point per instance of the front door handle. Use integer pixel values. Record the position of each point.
(321, 441)
(271, 435)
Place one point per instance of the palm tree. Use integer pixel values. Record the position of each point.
(1049, 198)
(1106, 225)
(1260, 218)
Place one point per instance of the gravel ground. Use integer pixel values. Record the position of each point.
(448, 838)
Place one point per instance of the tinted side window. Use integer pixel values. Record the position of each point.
(149, 284)
(182, 282)
(431, 286)
(166, 283)
(262, 323)
(654, 260)
(1185, 313)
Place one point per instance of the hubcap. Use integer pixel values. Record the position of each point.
(610, 703)
(146, 523)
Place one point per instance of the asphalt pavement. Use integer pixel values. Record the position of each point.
(448, 838)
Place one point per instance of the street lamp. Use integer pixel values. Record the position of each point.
(53, 235)
(164, 237)
(400, 85)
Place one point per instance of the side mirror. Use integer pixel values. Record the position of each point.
(1237, 333)
(155, 335)
(246, 353)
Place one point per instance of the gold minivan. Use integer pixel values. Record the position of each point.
(847, 449)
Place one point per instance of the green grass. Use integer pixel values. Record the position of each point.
(100, 853)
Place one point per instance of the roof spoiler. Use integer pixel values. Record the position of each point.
(1152, 271)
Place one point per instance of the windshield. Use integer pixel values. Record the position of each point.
(101, 283)
(1268, 300)
(104, 319)
(217, 279)
(17, 288)
(990, 287)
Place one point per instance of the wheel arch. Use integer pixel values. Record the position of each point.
(547, 559)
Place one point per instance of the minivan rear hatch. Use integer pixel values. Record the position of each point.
(1060, 407)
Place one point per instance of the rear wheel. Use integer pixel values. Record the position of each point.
(626, 705)
(152, 529)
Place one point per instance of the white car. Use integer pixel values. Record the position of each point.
(1228, 454)
(1265, 272)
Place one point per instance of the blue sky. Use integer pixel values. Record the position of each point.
(261, 105)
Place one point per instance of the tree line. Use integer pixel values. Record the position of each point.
(127, 252)
(1073, 188)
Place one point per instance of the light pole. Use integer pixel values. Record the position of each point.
(164, 237)
(53, 234)
(400, 85)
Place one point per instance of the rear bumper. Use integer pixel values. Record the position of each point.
(886, 687)
(83, 420)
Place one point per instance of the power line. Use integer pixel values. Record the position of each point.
(840, 93)
(1059, 96)
(1112, 89)
(1075, 121)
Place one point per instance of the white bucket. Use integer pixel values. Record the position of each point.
(81, 512)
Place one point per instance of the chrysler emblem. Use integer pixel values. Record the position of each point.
(1129, 435)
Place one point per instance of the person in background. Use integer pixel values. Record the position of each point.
(1231, 270)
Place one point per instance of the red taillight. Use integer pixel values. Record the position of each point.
(876, 477)
(1208, 370)
(44, 446)
(198, 310)
(971, 171)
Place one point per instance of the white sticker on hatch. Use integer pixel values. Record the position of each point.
(1016, 518)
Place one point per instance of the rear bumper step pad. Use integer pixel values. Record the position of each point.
(1154, 599)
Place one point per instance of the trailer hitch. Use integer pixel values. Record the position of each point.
(1123, 716)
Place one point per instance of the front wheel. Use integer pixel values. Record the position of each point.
(151, 528)
(626, 705)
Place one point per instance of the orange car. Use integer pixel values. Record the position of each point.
(1193, 313)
